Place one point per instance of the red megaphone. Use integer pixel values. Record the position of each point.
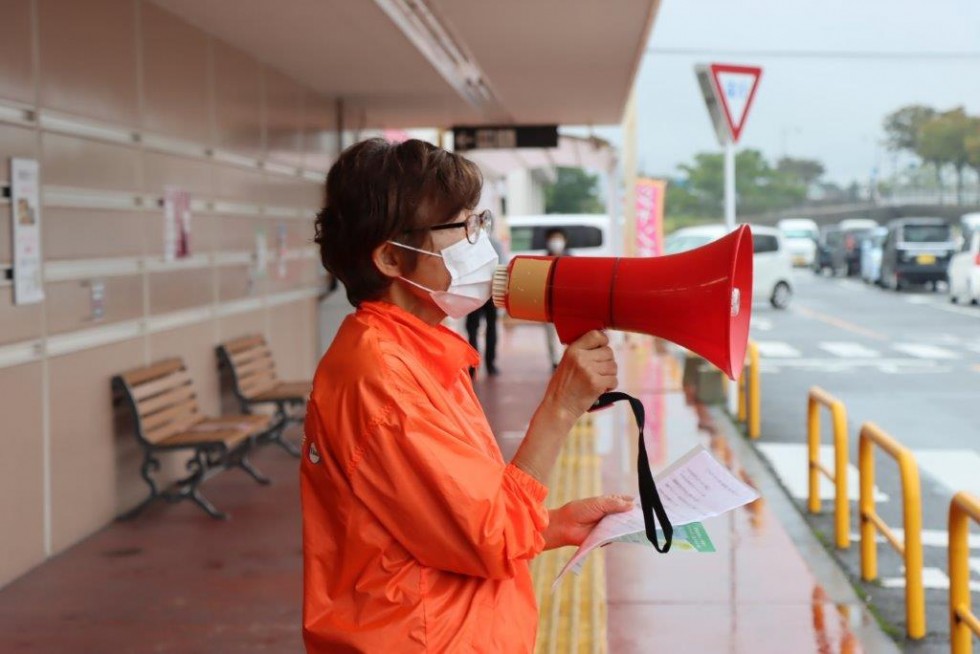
(701, 299)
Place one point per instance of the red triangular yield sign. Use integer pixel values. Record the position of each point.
(735, 87)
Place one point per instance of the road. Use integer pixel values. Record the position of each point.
(909, 362)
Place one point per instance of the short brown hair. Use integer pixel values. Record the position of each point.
(376, 191)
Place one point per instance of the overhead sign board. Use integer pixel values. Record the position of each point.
(491, 137)
(728, 92)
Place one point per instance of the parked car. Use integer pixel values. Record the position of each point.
(829, 241)
(964, 270)
(847, 258)
(772, 267)
(585, 234)
(800, 236)
(970, 222)
(871, 255)
(849, 224)
(916, 251)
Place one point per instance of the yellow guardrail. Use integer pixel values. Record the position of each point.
(749, 397)
(911, 549)
(816, 399)
(962, 621)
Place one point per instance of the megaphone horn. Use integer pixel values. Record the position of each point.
(700, 299)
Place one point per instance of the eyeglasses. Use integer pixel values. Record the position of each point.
(474, 224)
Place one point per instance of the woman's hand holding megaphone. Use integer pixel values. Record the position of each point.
(587, 370)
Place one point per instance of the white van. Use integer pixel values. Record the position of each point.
(851, 224)
(588, 235)
(772, 270)
(800, 236)
(970, 222)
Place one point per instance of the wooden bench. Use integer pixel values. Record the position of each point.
(164, 405)
(255, 383)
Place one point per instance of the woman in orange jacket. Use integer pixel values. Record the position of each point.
(416, 533)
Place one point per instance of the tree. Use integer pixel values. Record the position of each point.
(942, 141)
(972, 144)
(573, 191)
(902, 127)
(759, 187)
(803, 171)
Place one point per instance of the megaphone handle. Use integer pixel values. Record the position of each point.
(650, 502)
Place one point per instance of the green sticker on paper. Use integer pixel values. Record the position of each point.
(687, 538)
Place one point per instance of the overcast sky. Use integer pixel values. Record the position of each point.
(826, 108)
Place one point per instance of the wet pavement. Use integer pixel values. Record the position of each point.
(173, 580)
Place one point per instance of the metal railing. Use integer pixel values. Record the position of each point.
(911, 549)
(962, 620)
(749, 396)
(816, 399)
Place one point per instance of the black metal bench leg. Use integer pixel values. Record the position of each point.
(286, 444)
(149, 463)
(198, 465)
(278, 433)
(247, 466)
(195, 496)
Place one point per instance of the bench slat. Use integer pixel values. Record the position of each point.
(157, 386)
(230, 438)
(165, 431)
(187, 407)
(256, 366)
(243, 357)
(258, 384)
(159, 369)
(164, 400)
(236, 345)
(286, 391)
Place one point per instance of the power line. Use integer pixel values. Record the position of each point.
(882, 55)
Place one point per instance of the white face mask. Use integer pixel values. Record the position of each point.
(556, 245)
(471, 267)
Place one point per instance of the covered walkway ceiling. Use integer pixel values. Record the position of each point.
(411, 63)
(592, 154)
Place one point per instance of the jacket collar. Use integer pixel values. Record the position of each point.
(442, 351)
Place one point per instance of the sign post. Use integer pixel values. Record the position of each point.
(728, 93)
(729, 185)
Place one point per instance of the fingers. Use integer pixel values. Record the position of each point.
(604, 504)
(591, 340)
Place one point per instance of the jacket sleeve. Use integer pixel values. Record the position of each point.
(449, 504)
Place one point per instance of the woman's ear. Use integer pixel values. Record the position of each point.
(386, 260)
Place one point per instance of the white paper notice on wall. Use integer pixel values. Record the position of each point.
(281, 233)
(176, 223)
(25, 203)
(261, 253)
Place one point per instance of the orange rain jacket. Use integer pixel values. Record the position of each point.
(416, 534)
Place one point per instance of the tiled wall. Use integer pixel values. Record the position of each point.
(117, 99)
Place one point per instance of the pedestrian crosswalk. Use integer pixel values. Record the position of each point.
(849, 350)
(789, 462)
(953, 469)
(956, 469)
(777, 350)
(932, 579)
(924, 351)
(888, 357)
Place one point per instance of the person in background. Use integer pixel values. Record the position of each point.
(556, 243)
(489, 312)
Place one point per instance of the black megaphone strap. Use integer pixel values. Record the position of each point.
(649, 497)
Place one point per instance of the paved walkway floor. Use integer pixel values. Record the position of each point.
(173, 580)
